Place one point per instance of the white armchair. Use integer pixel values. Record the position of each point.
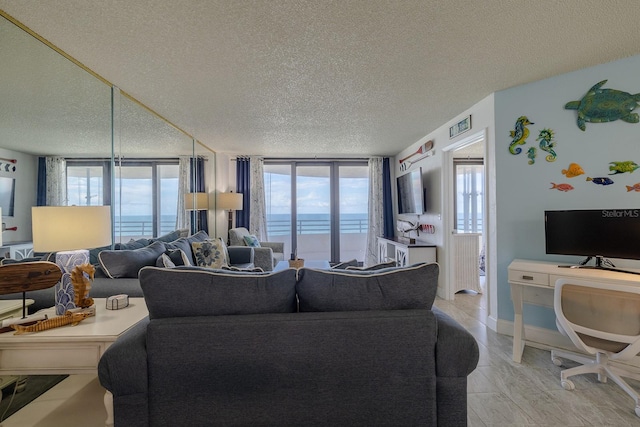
(266, 256)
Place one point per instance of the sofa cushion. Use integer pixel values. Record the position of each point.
(195, 291)
(133, 244)
(169, 237)
(184, 243)
(379, 266)
(395, 288)
(127, 262)
(209, 253)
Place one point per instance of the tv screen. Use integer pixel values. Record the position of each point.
(613, 233)
(410, 193)
(7, 195)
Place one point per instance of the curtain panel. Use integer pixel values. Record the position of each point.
(258, 217)
(243, 186)
(376, 220)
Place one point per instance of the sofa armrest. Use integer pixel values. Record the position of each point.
(122, 370)
(263, 258)
(240, 255)
(276, 247)
(456, 357)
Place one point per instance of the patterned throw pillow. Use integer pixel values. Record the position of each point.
(225, 251)
(252, 241)
(208, 254)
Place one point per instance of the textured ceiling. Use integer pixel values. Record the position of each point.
(327, 78)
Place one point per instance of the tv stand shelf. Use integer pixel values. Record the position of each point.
(403, 253)
(532, 282)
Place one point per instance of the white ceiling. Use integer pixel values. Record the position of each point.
(327, 78)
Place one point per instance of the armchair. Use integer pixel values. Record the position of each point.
(266, 256)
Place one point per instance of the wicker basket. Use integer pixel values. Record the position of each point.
(296, 263)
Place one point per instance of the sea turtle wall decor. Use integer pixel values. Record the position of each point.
(605, 105)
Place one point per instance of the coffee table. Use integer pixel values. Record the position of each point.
(321, 265)
(70, 349)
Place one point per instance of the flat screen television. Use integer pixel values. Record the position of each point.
(411, 193)
(596, 233)
(7, 195)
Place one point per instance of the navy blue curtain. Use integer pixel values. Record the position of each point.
(387, 202)
(243, 185)
(199, 219)
(41, 190)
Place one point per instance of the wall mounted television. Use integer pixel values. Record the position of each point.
(7, 195)
(411, 193)
(596, 233)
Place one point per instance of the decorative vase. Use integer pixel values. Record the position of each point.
(67, 260)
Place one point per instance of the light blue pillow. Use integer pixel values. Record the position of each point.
(252, 241)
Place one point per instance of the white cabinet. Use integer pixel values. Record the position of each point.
(405, 253)
(17, 250)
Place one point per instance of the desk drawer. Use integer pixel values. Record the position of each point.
(529, 277)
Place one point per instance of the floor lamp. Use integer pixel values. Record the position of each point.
(69, 231)
(230, 202)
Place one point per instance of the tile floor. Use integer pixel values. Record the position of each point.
(500, 392)
(504, 393)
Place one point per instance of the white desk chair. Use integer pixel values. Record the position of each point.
(602, 320)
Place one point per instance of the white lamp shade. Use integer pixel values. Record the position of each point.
(230, 201)
(1, 227)
(199, 200)
(68, 228)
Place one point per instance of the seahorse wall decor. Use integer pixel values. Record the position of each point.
(519, 134)
(547, 143)
(81, 277)
(68, 318)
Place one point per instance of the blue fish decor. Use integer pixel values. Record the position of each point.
(547, 143)
(519, 134)
(605, 105)
(601, 180)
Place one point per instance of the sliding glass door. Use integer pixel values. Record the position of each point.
(318, 209)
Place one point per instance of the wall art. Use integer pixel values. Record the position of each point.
(519, 135)
(601, 180)
(8, 165)
(622, 167)
(531, 154)
(605, 105)
(573, 170)
(561, 187)
(461, 127)
(634, 187)
(547, 143)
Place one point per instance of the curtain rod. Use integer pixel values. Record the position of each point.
(299, 160)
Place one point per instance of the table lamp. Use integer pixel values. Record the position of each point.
(231, 202)
(69, 231)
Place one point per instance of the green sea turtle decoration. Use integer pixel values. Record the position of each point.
(547, 143)
(605, 105)
(622, 167)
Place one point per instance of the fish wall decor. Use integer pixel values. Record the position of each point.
(622, 167)
(634, 187)
(573, 170)
(519, 134)
(547, 143)
(561, 187)
(601, 180)
(605, 105)
(531, 154)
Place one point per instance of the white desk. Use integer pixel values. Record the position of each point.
(532, 282)
(70, 349)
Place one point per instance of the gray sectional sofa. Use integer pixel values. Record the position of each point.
(291, 348)
(117, 269)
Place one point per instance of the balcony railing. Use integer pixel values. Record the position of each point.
(282, 227)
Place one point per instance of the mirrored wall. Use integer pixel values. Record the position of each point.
(116, 151)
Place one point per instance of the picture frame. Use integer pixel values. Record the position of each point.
(461, 127)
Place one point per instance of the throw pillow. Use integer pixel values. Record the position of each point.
(178, 257)
(169, 237)
(195, 291)
(208, 254)
(127, 262)
(346, 264)
(252, 241)
(379, 266)
(395, 288)
(227, 258)
(164, 261)
(184, 243)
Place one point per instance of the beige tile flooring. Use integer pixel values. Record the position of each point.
(500, 392)
(504, 393)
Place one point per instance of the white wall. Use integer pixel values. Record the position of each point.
(26, 176)
(523, 190)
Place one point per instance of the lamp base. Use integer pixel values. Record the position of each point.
(67, 261)
(229, 227)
